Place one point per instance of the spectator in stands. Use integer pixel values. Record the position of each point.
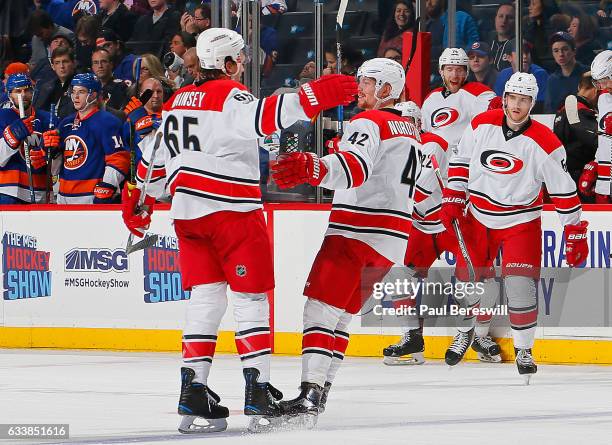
(140, 7)
(153, 31)
(151, 67)
(11, 68)
(584, 29)
(122, 60)
(351, 60)
(57, 91)
(393, 54)
(501, 47)
(87, 32)
(198, 22)
(114, 91)
(537, 30)
(181, 42)
(403, 20)
(192, 67)
(436, 22)
(559, 22)
(604, 12)
(580, 140)
(43, 29)
(68, 12)
(528, 67)
(42, 71)
(115, 15)
(564, 81)
(481, 67)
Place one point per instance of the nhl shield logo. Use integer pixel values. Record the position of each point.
(241, 270)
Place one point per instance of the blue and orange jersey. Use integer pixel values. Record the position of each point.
(93, 152)
(13, 171)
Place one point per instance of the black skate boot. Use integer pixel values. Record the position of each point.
(199, 402)
(304, 409)
(488, 351)
(459, 346)
(260, 402)
(323, 401)
(408, 351)
(525, 364)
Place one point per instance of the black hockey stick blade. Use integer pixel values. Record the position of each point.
(146, 242)
(146, 96)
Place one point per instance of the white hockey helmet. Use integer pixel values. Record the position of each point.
(453, 56)
(384, 71)
(215, 44)
(522, 83)
(409, 109)
(601, 67)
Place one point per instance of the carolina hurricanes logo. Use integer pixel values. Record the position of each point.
(602, 121)
(500, 162)
(87, 6)
(75, 153)
(443, 116)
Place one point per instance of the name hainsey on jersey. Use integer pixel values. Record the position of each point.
(209, 156)
(448, 114)
(93, 152)
(603, 156)
(13, 172)
(374, 178)
(504, 171)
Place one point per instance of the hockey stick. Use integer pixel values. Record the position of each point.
(339, 19)
(413, 47)
(573, 118)
(460, 240)
(147, 241)
(48, 168)
(26, 152)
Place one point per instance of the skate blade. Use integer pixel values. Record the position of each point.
(412, 359)
(527, 378)
(200, 425)
(298, 422)
(489, 358)
(263, 424)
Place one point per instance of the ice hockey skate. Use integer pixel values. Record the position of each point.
(525, 364)
(199, 407)
(459, 346)
(487, 350)
(261, 403)
(324, 396)
(408, 351)
(303, 411)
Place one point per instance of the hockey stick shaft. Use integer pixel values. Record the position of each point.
(460, 239)
(26, 152)
(48, 168)
(339, 20)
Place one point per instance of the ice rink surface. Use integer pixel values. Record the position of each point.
(120, 397)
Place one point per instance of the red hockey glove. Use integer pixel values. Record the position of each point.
(576, 247)
(332, 145)
(51, 139)
(453, 207)
(298, 168)
(602, 199)
(586, 183)
(327, 92)
(38, 158)
(608, 123)
(16, 132)
(136, 220)
(495, 103)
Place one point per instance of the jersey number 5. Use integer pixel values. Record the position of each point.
(172, 130)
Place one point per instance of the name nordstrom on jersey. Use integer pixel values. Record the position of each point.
(189, 99)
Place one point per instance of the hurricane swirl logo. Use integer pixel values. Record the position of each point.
(500, 162)
(75, 153)
(602, 121)
(443, 116)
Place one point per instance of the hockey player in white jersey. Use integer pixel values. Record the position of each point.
(599, 176)
(209, 163)
(373, 175)
(503, 160)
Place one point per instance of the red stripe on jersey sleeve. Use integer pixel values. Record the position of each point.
(119, 160)
(484, 204)
(268, 116)
(355, 168)
(141, 172)
(370, 220)
(214, 186)
(458, 172)
(565, 203)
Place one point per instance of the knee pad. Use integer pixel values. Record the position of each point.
(251, 308)
(318, 313)
(520, 292)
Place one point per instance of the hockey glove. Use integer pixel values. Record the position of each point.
(16, 132)
(495, 103)
(146, 124)
(104, 193)
(332, 145)
(136, 220)
(327, 92)
(576, 247)
(51, 139)
(298, 168)
(586, 183)
(38, 158)
(132, 105)
(453, 207)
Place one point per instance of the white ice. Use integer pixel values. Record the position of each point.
(120, 397)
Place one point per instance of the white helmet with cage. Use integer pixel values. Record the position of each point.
(410, 109)
(384, 71)
(524, 84)
(601, 67)
(216, 44)
(453, 56)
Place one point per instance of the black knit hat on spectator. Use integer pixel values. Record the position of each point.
(480, 49)
(107, 35)
(562, 37)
